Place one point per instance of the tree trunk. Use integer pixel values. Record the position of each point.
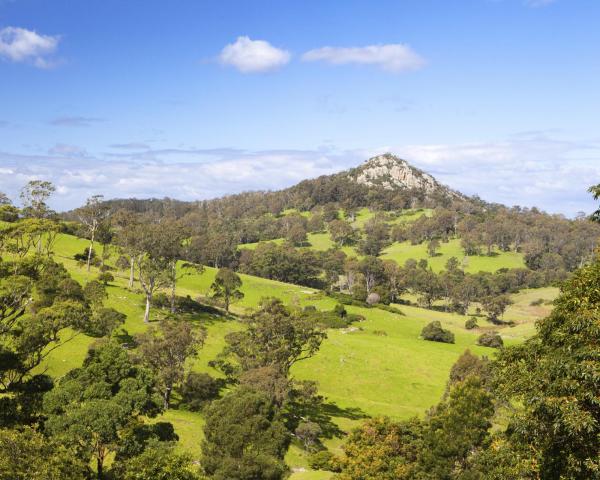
(173, 285)
(226, 303)
(99, 468)
(147, 312)
(131, 271)
(167, 398)
(89, 259)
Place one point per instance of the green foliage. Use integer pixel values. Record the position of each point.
(159, 461)
(323, 460)
(92, 405)
(382, 450)
(471, 323)
(275, 337)
(435, 333)
(245, 439)
(490, 339)
(106, 278)
(456, 428)
(165, 351)
(554, 375)
(198, 389)
(227, 287)
(27, 455)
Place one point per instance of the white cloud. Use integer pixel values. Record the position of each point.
(529, 170)
(252, 56)
(395, 57)
(22, 45)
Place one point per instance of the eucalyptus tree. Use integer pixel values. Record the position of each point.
(34, 196)
(227, 287)
(92, 215)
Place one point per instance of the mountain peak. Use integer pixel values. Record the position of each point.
(390, 172)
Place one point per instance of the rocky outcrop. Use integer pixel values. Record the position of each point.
(390, 172)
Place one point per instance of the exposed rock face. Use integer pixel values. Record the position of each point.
(390, 172)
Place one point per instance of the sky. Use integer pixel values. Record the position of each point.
(196, 99)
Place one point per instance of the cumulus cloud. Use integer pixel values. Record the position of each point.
(528, 170)
(394, 57)
(74, 121)
(253, 56)
(27, 46)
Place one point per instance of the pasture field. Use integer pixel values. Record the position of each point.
(378, 366)
(403, 251)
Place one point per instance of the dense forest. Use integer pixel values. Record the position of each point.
(529, 410)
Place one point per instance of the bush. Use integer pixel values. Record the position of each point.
(380, 333)
(340, 310)
(106, 277)
(435, 333)
(490, 339)
(323, 460)
(471, 323)
(8, 213)
(198, 389)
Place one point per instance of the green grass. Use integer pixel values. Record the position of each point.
(398, 374)
(401, 252)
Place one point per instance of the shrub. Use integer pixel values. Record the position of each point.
(490, 339)
(380, 333)
(340, 310)
(123, 263)
(435, 333)
(198, 389)
(84, 256)
(105, 277)
(471, 323)
(323, 460)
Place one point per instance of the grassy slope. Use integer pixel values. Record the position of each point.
(402, 251)
(396, 374)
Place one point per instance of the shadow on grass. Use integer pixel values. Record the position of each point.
(324, 414)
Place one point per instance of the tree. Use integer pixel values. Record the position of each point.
(432, 247)
(165, 351)
(92, 405)
(154, 261)
(457, 427)
(91, 215)
(31, 327)
(496, 306)
(377, 235)
(296, 235)
(275, 337)
(341, 232)
(34, 196)
(27, 455)
(245, 438)
(373, 271)
(554, 377)
(159, 461)
(381, 449)
(227, 286)
(595, 191)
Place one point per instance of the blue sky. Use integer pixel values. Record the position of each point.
(194, 99)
